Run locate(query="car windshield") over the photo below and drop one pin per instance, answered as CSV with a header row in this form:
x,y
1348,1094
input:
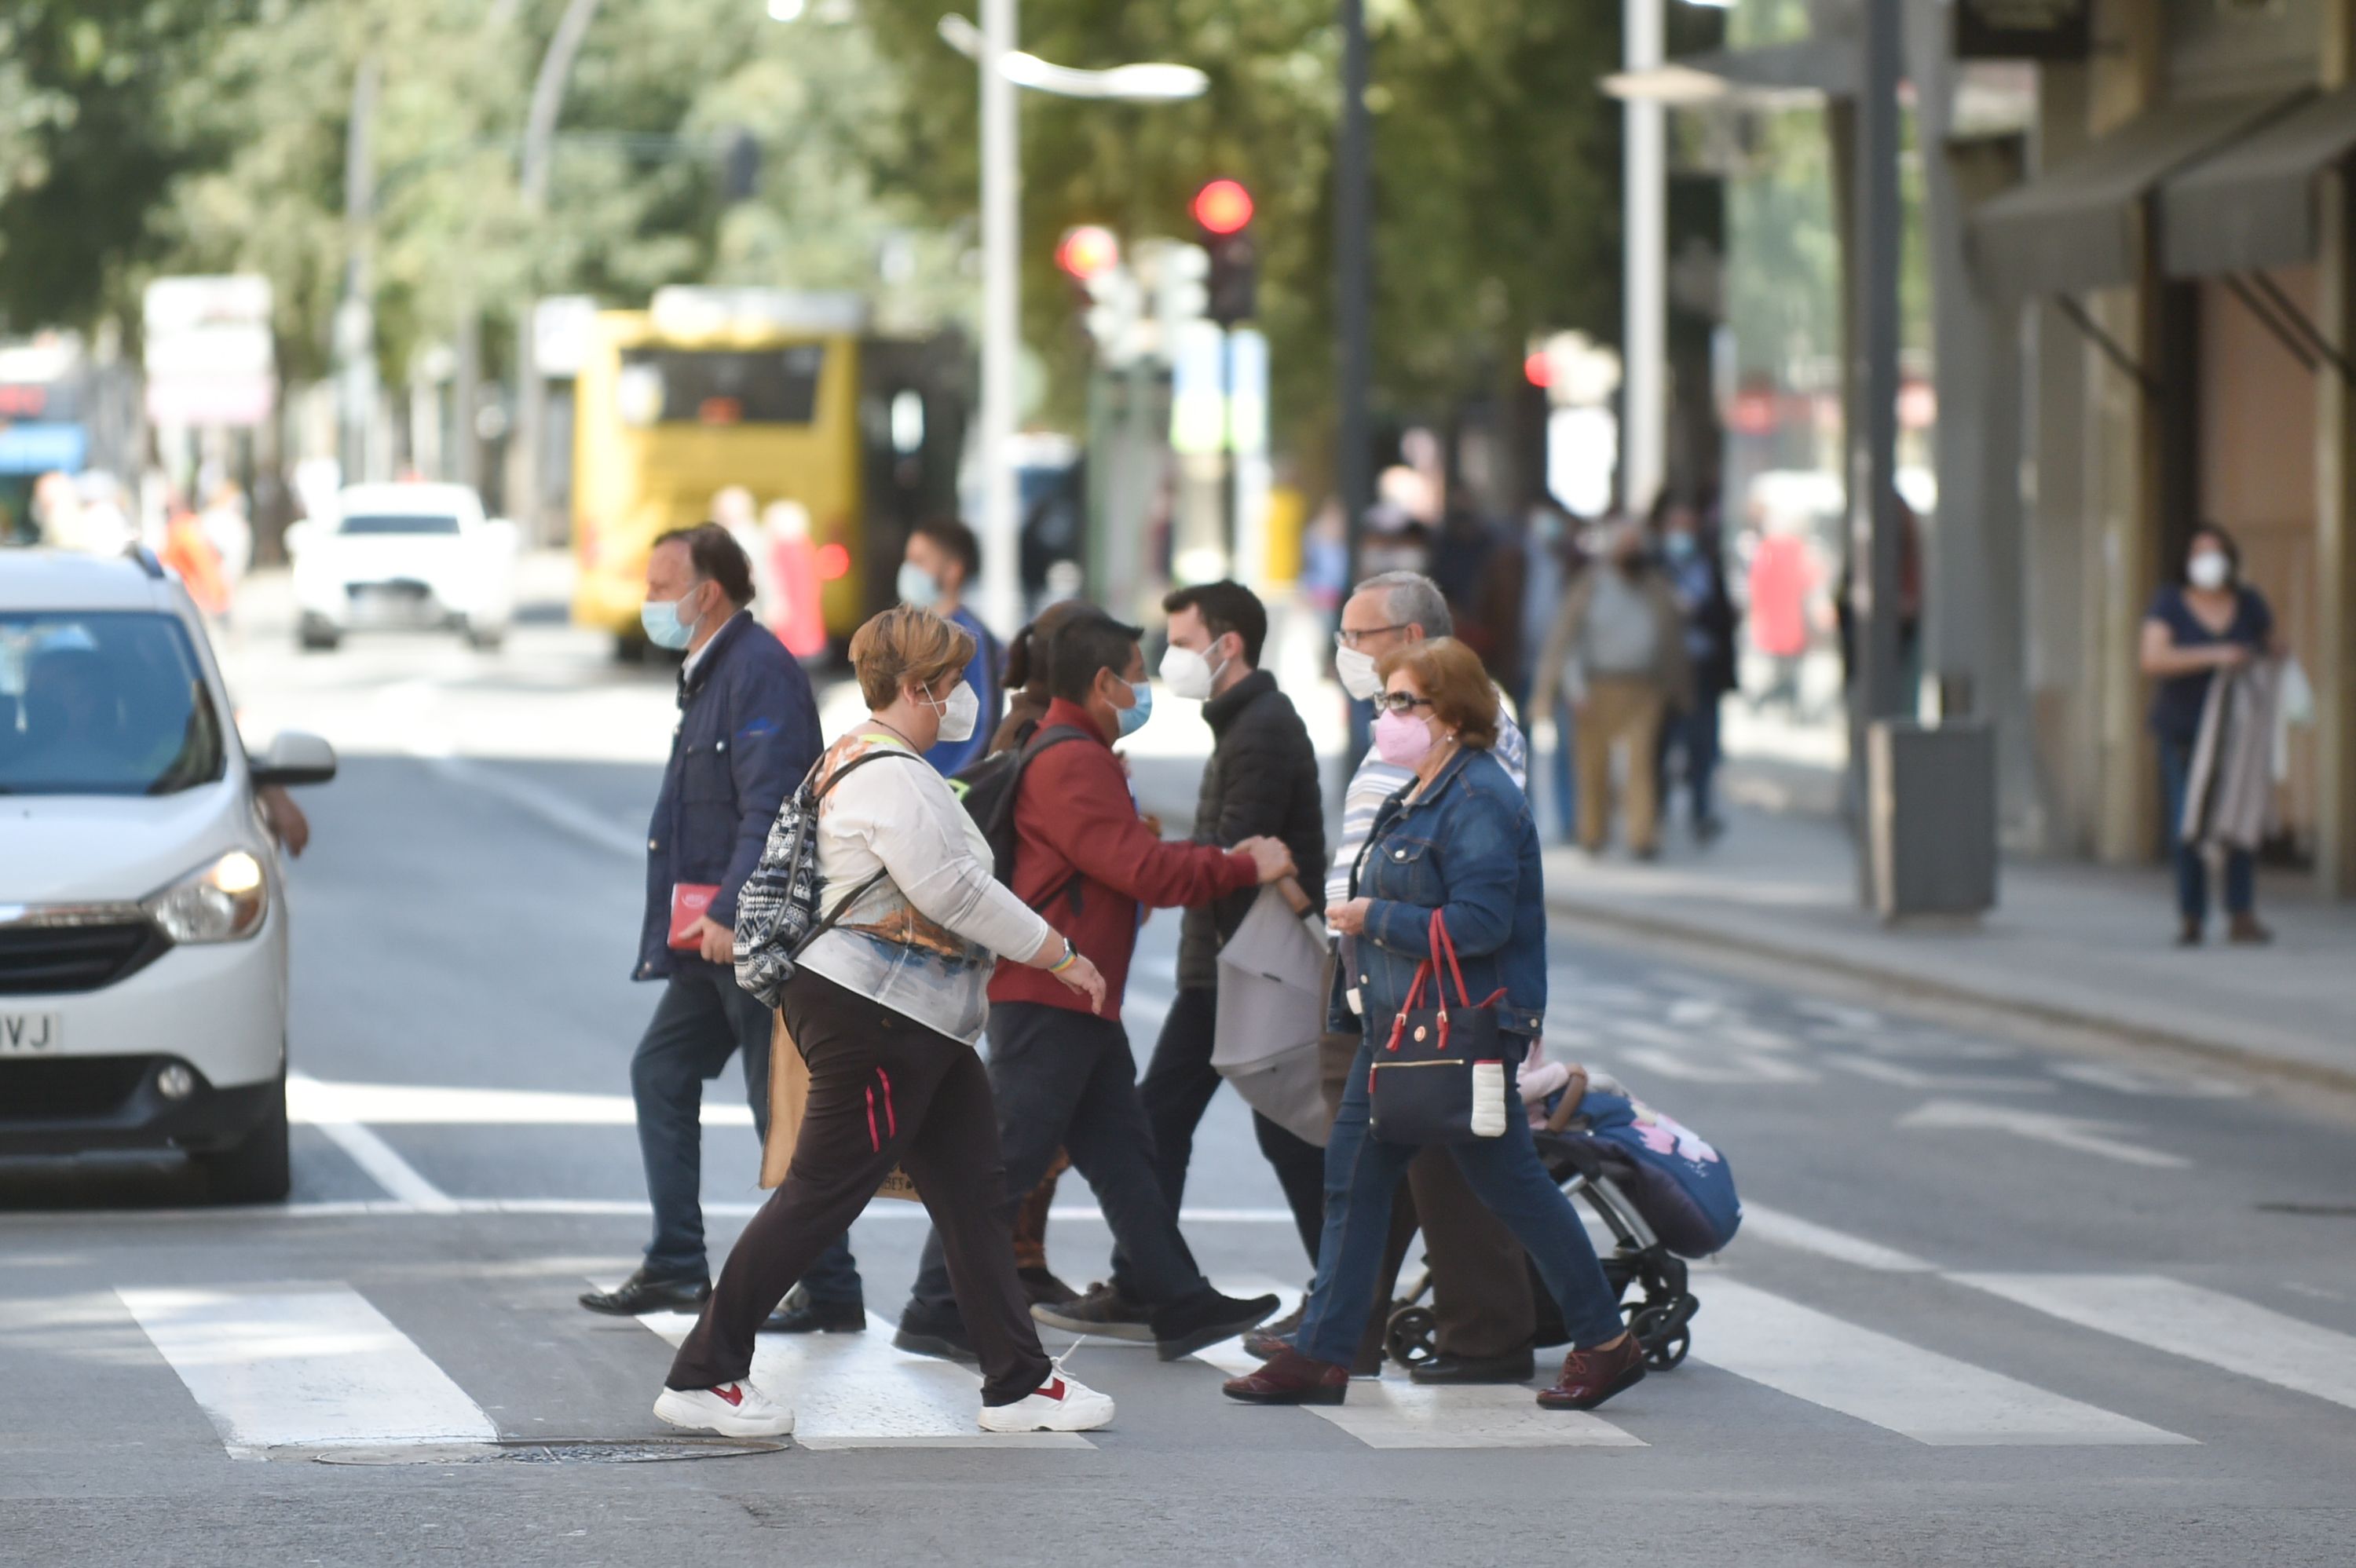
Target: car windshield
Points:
x,y
103,702
400,523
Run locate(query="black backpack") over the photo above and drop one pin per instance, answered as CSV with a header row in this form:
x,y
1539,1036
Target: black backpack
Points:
x,y
777,911
988,788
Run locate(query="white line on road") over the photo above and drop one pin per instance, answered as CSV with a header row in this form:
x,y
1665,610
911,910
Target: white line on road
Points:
x,y
318,1101
593,1207
2204,1326
1918,1393
1732,1067
1910,1078
400,1180
1778,1229
304,1366
2077,1133
1392,1413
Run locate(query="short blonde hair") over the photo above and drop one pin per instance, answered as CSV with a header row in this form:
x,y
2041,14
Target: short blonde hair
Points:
x,y
1463,696
906,645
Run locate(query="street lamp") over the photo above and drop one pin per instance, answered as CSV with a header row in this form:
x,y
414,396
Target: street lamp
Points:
x,y
1004,69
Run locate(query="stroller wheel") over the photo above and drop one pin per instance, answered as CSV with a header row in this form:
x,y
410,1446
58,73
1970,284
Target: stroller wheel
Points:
x,y
1665,1337
1412,1337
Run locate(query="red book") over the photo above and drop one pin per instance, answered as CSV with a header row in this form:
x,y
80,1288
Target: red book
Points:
x,y
690,901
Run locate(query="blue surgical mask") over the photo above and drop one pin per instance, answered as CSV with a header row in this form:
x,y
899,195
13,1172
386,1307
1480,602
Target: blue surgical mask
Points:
x,y
917,586
663,627
1677,545
1132,720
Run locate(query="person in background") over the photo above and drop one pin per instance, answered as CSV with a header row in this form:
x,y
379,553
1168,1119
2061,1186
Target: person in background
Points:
x,y
747,733
1783,583
1481,1291
1549,559
1062,1074
797,610
886,1006
1618,647
942,559
2206,621
1697,576
1460,840
187,551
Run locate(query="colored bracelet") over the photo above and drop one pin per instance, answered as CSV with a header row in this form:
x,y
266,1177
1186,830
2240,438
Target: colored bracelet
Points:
x,y
1071,957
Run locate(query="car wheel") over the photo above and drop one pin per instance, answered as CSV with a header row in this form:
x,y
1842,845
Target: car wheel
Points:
x,y
254,1169
486,639
630,647
317,636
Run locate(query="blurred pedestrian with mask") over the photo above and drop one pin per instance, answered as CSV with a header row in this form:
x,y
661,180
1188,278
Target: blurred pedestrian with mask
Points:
x,y
1458,842
2206,622
1691,563
1480,1292
1618,648
1061,1071
1549,560
747,732
942,559
885,1005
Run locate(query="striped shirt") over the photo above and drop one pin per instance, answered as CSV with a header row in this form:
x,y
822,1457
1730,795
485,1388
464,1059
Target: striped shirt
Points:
x,y
1376,780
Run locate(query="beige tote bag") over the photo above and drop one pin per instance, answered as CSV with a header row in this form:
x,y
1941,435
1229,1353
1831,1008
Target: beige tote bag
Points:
x,y
789,1099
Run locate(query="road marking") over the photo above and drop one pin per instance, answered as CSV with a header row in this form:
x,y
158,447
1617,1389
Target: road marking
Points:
x,y
1392,1413
304,1367
2173,1085
1845,1017
319,1102
616,1208
401,1180
2204,1326
1778,1229
1728,1068
1910,1078
1903,1388
558,811
2077,1133
854,1390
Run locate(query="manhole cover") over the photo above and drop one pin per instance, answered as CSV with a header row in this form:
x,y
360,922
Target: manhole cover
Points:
x,y
556,1451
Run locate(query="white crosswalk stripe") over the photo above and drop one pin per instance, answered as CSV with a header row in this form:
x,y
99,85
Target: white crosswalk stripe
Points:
x,y
1396,1414
304,1366
1932,1398
2205,1325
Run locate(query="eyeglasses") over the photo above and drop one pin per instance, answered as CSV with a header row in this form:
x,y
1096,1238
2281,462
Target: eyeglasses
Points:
x,y
1401,702
1349,639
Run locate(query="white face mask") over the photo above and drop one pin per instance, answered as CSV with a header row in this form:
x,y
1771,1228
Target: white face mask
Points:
x,y
958,711
1189,675
1357,672
2209,569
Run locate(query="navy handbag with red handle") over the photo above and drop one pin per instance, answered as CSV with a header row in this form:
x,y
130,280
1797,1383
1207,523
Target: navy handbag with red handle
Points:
x,y
1445,1075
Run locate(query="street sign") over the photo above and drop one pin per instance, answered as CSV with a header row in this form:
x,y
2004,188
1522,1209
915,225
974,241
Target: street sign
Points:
x,y
209,357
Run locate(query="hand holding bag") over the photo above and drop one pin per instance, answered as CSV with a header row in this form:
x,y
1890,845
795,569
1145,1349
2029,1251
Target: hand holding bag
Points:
x,y
1445,1073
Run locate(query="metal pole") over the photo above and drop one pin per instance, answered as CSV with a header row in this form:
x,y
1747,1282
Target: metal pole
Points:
x,y
539,137
1875,527
1354,284
1231,511
1644,378
354,325
1001,319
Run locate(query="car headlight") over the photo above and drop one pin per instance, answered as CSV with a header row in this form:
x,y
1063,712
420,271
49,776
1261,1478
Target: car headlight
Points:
x,y
223,901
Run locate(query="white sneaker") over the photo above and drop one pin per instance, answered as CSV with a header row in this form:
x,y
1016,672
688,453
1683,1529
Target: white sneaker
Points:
x,y
732,1410
1059,1404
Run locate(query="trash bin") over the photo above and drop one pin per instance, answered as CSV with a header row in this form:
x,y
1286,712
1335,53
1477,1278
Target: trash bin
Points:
x,y
1930,818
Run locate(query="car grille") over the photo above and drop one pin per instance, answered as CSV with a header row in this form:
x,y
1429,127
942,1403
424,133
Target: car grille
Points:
x,y
38,959
70,1088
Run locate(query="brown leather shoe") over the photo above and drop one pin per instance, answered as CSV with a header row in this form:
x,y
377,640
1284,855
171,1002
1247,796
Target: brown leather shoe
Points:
x,y
1292,1378
1590,1377
2245,929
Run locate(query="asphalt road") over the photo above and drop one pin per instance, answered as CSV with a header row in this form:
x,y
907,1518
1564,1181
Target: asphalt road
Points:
x,y
1999,1299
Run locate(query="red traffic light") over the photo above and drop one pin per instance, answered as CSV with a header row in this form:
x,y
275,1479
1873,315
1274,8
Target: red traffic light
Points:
x,y
1088,252
1536,368
1223,206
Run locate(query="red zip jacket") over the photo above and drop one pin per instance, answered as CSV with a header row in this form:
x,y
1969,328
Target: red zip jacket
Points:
x,y
1073,812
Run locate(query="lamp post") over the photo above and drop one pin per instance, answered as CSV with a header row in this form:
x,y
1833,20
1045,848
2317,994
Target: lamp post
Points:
x,y
1003,69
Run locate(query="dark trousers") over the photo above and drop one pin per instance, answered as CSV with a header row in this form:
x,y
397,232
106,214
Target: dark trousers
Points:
x,y
1175,1092
1067,1080
1694,731
884,1090
702,1019
2191,871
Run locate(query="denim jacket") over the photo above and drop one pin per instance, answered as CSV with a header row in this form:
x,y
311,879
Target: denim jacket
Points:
x,y
1468,847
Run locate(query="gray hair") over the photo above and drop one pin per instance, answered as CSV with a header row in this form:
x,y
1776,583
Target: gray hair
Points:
x,y
1412,599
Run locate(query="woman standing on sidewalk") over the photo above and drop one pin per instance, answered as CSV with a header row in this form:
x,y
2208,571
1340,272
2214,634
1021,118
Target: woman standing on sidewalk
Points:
x,y
2206,622
885,1007
1461,840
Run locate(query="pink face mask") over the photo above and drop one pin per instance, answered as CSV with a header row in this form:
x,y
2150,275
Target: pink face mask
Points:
x,y
1402,740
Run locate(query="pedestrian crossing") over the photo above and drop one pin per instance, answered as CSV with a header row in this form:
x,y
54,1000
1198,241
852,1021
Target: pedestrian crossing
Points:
x,y
294,1368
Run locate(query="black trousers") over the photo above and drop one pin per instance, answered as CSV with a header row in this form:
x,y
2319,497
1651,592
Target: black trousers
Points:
x,y
1067,1080
884,1089
1174,1092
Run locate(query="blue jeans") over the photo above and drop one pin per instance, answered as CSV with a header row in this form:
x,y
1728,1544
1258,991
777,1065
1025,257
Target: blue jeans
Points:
x,y
2191,871
1362,1171
1566,781
1694,729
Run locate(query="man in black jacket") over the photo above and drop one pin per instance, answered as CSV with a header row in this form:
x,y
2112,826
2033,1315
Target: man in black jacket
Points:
x,y
1262,780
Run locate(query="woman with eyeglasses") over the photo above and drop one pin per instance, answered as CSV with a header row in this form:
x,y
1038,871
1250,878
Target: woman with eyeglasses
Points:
x,y
1458,839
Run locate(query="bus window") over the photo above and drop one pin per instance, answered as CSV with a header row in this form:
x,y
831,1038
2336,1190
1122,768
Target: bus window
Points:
x,y
724,387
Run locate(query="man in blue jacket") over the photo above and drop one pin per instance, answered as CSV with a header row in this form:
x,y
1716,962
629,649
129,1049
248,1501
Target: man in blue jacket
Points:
x,y
747,733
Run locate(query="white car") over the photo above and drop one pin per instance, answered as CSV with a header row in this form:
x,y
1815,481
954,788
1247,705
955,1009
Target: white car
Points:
x,y
404,556
143,903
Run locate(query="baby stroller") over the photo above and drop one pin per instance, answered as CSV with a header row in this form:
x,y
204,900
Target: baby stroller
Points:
x,y
1664,1194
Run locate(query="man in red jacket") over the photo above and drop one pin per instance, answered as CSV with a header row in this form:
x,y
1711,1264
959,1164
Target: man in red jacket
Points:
x,y
1063,1077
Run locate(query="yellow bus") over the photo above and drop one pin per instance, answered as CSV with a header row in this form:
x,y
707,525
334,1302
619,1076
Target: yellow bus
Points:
x,y
784,394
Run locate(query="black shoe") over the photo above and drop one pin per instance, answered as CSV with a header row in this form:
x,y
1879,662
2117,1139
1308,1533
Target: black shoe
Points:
x,y
1044,1289
929,1331
681,1292
1104,1313
797,1314
1179,1331
1709,829
1513,1367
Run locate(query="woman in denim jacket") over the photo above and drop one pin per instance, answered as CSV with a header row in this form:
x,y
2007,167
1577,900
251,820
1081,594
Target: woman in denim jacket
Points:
x,y
1459,839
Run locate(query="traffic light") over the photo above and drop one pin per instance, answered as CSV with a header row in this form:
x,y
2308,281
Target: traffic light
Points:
x,y
1222,214
1087,252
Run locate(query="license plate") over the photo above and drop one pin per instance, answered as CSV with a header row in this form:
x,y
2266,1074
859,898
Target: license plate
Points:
x,y
29,1034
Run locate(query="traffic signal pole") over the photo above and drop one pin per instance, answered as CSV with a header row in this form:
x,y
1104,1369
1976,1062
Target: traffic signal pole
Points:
x,y
1353,284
